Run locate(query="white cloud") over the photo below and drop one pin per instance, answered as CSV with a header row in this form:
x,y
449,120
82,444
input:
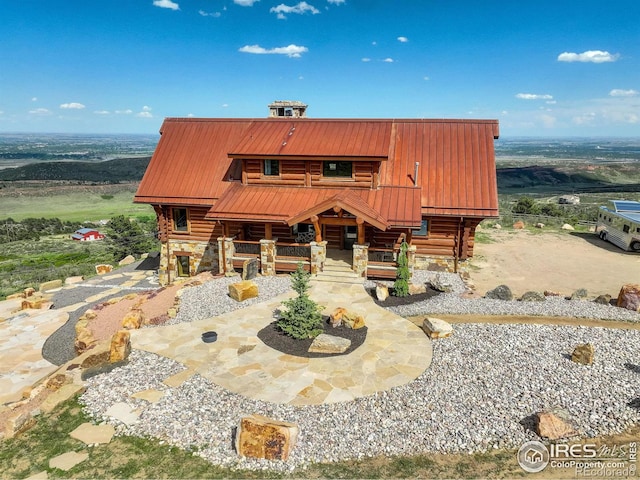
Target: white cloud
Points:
x,y
426,78
146,109
301,8
593,56
34,99
584,119
293,51
533,96
374,43
548,121
144,115
225,105
336,2
366,59
245,3
102,112
128,111
403,39
72,106
166,4
209,14
40,111
388,60
618,92
190,115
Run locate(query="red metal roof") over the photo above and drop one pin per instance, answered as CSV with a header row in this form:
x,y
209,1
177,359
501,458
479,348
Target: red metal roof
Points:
x,y
193,164
316,138
383,208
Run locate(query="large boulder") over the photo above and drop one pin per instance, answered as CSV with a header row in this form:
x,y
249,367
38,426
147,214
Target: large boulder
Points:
x,y
501,292
324,343
583,354
103,268
532,296
579,294
629,297
603,299
120,347
128,260
84,336
436,328
352,320
553,426
133,320
441,283
382,292
262,437
568,227
519,225
244,290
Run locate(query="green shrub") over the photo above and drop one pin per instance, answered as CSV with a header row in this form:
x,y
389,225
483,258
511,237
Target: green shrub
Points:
x,y
302,317
401,285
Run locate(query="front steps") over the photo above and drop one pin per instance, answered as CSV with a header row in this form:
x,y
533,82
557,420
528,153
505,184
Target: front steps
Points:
x,y
337,271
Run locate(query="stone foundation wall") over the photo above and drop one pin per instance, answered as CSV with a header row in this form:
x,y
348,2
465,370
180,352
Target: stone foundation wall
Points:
x,y
202,257
439,264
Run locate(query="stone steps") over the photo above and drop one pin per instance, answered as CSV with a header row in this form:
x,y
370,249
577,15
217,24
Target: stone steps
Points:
x,y
338,271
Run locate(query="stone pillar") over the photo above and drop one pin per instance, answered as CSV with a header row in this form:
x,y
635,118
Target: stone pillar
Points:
x,y
267,257
411,258
360,259
226,250
318,256
164,265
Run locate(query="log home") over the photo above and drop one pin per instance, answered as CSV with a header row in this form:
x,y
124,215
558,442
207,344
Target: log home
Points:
x,y
292,189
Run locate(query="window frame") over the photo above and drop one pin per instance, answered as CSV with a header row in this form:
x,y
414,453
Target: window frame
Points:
x,y
271,162
325,169
180,266
174,226
424,227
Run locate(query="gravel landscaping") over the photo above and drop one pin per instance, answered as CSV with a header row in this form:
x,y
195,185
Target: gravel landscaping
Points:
x,y
484,382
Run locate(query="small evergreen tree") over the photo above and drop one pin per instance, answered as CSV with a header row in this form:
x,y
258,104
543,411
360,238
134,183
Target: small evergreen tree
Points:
x,y
302,317
401,285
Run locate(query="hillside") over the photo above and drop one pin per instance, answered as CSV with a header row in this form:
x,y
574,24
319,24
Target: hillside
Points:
x,y
109,171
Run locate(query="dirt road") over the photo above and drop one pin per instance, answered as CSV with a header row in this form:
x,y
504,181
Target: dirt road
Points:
x,y
560,261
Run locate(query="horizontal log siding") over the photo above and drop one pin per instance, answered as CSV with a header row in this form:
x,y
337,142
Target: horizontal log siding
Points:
x,y
200,229
442,234
292,172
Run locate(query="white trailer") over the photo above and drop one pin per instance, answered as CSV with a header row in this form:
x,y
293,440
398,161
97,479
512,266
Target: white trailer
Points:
x,y
619,223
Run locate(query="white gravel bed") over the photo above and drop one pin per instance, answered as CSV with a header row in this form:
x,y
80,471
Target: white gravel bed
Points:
x,y
452,303
483,382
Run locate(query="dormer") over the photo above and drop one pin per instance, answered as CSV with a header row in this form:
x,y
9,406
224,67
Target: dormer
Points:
x,y
287,109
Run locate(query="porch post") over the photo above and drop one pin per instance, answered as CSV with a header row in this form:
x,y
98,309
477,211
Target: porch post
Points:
x,y
226,250
267,257
360,259
318,256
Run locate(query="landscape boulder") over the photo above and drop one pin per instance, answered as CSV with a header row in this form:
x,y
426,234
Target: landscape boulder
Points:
x,y
579,294
120,347
532,296
128,260
603,299
436,328
250,269
244,290
568,227
382,292
441,283
550,293
324,343
540,225
262,437
73,280
501,292
352,320
554,425
29,291
583,354
497,226
133,320
417,288
629,297
103,268
51,285
84,336
519,225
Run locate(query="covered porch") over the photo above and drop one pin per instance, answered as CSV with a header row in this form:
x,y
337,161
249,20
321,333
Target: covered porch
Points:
x,y
343,224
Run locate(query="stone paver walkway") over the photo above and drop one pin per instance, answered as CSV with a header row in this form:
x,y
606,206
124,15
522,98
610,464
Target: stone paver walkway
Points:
x,y
394,353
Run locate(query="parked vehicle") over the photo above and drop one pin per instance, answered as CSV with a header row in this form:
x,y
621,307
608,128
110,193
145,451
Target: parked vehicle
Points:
x,y
619,223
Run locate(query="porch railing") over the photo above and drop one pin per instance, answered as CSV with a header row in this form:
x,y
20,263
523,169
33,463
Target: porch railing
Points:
x,y
382,262
288,255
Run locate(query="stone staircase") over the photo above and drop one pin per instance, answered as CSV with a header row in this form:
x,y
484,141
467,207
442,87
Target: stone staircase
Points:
x,y
337,271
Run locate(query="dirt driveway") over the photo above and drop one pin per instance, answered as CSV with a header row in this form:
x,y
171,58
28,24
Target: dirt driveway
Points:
x,y
560,261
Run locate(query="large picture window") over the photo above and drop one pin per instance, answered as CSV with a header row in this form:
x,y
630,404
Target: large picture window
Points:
x,y
180,220
272,167
337,169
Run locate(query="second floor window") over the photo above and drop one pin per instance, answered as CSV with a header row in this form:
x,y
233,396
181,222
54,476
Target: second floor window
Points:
x,y
271,167
337,169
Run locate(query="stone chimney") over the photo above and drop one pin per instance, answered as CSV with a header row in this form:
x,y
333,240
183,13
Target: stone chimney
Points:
x,y
287,108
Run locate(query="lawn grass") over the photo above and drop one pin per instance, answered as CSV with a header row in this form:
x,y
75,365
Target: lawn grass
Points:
x,y
135,457
71,203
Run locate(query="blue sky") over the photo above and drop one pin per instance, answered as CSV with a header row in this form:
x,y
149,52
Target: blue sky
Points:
x,y
542,68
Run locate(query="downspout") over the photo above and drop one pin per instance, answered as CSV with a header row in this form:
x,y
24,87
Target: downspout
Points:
x,y
166,233
456,253
415,174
